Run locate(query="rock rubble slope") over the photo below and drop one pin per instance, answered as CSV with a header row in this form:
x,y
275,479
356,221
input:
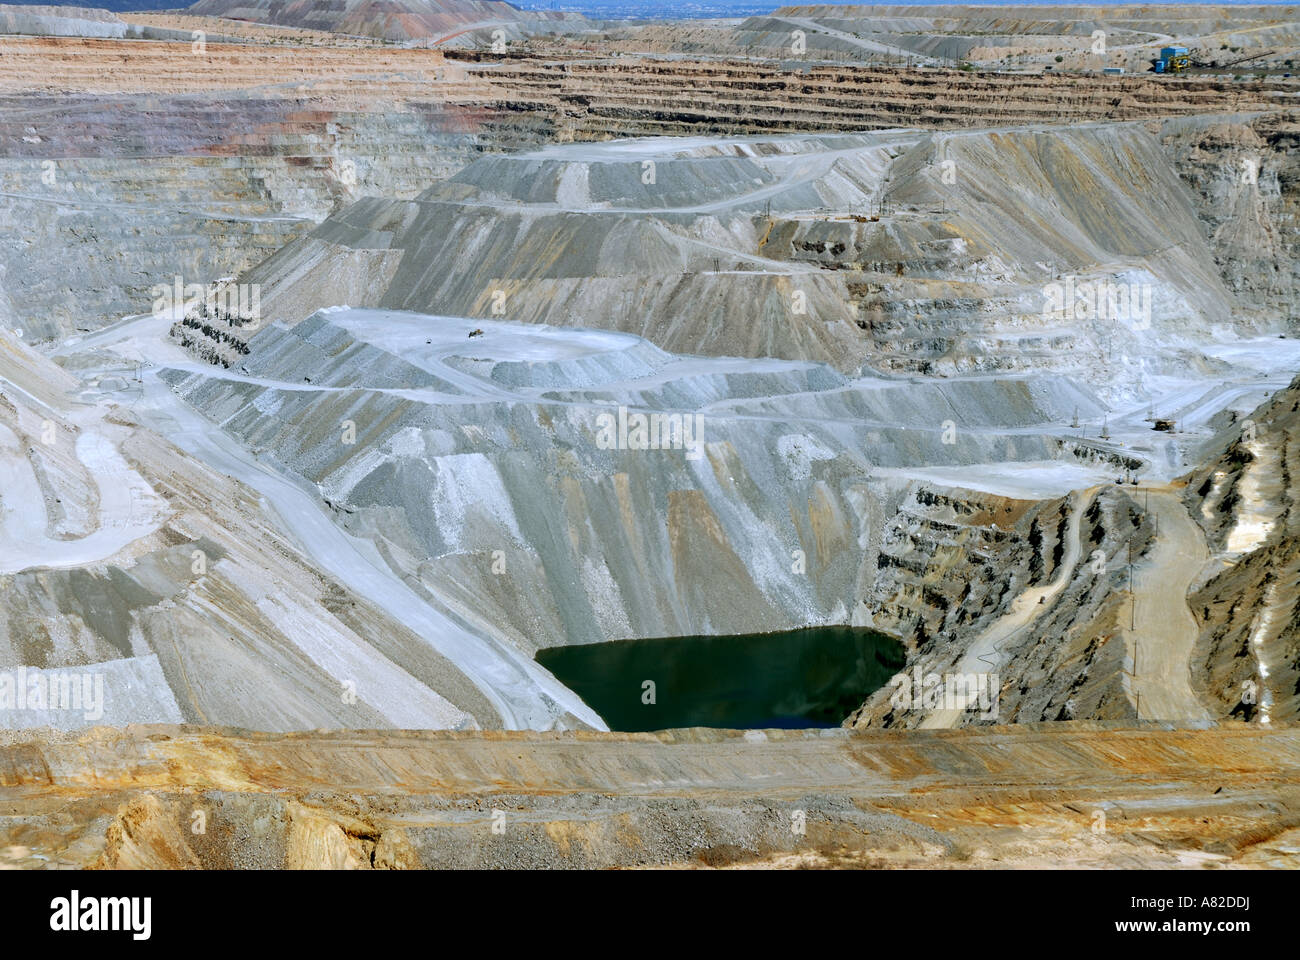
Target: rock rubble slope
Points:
x,y
854,251
126,559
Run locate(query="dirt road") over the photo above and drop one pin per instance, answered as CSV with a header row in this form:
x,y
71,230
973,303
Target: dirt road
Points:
x,y
1160,644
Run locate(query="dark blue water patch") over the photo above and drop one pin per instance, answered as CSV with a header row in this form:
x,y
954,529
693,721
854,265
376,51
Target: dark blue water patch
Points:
x,y
799,678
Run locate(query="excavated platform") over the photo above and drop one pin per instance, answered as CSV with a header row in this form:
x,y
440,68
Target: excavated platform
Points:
x,y
1032,795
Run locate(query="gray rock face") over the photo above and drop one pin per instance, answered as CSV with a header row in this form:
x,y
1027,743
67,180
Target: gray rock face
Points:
x,y
828,475
894,251
500,476
126,193
42,21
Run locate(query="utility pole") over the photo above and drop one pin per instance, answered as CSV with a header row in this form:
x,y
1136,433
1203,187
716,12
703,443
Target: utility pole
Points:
x,y
1132,607
1137,694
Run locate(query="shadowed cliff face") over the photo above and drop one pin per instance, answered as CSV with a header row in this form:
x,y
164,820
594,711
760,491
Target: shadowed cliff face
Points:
x,y
1227,531
1064,659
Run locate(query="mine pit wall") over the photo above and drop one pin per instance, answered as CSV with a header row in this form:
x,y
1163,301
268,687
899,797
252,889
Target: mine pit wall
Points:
x,y
587,538
1067,663
228,641
960,292
1248,651
1070,662
204,188
109,258
747,541
931,564
279,163
646,97
1244,173
951,560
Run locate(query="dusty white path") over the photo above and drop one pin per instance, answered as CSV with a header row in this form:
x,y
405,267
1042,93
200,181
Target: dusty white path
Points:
x,y
128,508
1161,644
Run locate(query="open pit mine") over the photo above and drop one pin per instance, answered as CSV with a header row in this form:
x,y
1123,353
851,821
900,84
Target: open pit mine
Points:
x,y
444,434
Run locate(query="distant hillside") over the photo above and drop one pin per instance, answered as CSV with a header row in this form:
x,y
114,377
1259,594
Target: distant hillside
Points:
x,y
401,19
385,19
115,6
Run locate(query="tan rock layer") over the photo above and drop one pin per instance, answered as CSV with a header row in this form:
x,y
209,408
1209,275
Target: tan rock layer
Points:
x,y
1077,793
